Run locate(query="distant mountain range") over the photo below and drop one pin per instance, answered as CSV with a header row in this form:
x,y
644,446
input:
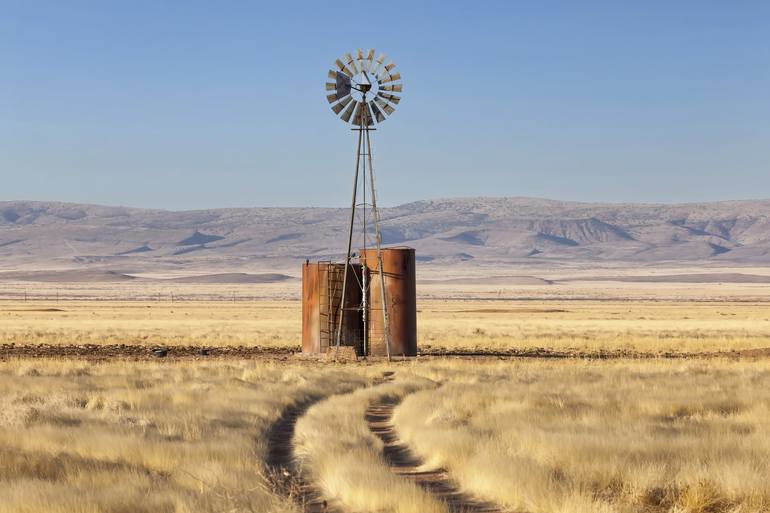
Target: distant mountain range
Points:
x,y
473,230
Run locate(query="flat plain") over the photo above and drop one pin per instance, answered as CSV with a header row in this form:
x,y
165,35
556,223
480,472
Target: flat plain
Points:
x,y
539,436
587,396
626,327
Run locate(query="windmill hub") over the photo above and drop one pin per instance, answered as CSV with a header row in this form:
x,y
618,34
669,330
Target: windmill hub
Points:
x,y
364,84
362,88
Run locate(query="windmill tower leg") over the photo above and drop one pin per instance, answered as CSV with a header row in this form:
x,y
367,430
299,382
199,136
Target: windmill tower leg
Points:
x,y
341,312
378,241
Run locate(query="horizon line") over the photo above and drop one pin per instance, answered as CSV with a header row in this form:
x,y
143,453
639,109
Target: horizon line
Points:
x,y
436,199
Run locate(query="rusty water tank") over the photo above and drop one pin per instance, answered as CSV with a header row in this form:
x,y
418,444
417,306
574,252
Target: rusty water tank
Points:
x,y
398,264
321,296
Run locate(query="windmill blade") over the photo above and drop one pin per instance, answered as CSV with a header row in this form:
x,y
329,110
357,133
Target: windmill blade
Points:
x,y
332,97
365,64
391,78
378,115
396,88
337,107
332,74
330,86
343,68
376,68
362,66
361,60
349,111
391,98
370,59
357,113
385,71
352,63
384,106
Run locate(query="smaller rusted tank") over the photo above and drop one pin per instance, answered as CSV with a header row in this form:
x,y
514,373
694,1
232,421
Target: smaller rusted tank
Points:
x,y
321,296
398,264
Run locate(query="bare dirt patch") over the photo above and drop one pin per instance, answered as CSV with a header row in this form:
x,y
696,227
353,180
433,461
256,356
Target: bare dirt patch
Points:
x,y
138,352
35,310
510,310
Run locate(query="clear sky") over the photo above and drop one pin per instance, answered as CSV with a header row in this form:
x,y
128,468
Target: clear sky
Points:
x,y
215,104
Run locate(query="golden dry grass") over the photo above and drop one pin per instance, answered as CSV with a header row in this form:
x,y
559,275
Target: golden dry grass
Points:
x,y
639,326
210,323
690,436
574,437
137,437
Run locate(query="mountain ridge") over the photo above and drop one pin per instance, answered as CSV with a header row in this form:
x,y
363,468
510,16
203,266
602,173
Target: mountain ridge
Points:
x,y
450,230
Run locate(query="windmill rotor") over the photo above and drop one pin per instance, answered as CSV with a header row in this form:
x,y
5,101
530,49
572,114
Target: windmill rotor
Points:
x,y
363,90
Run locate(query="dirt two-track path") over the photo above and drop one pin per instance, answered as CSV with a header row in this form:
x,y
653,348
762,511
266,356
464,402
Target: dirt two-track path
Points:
x,y
404,462
287,479
282,471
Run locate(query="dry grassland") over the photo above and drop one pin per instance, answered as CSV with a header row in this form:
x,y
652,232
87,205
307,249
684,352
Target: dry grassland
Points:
x,y
572,437
205,323
144,437
690,436
592,326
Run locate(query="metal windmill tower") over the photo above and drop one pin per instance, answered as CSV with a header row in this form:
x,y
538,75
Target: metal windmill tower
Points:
x,y
361,92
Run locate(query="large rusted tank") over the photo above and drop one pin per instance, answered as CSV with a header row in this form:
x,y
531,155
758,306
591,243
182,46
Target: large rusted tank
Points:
x,y
321,296
398,264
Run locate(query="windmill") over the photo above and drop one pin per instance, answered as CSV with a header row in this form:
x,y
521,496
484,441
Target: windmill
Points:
x,y
363,90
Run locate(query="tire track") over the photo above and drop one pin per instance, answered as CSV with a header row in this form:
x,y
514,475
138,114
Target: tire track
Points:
x,y
284,475
404,462
282,472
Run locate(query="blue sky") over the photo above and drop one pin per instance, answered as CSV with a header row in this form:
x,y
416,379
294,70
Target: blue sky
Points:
x,y
217,104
